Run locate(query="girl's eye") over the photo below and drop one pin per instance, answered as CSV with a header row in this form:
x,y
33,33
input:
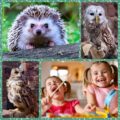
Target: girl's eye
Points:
x,y
92,14
32,25
95,73
46,25
49,83
57,82
104,71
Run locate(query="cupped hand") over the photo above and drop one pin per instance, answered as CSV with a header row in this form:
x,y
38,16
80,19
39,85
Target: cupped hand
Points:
x,y
90,108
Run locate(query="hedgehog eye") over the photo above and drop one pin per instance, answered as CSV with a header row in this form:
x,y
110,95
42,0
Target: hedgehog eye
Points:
x,y
46,25
32,25
92,14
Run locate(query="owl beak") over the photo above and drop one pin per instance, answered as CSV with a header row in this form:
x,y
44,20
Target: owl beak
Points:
x,y
97,19
19,76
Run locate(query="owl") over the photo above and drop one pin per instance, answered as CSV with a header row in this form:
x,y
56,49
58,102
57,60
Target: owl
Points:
x,y
97,31
20,95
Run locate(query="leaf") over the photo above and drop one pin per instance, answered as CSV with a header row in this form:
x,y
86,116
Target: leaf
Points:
x,y
6,4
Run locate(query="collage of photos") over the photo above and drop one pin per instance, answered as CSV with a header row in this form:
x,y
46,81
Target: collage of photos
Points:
x,y
59,60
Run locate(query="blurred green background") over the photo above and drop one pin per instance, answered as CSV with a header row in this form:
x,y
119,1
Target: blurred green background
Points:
x,y
68,10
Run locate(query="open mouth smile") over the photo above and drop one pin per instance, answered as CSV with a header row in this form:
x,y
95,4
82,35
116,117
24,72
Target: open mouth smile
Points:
x,y
54,88
101,80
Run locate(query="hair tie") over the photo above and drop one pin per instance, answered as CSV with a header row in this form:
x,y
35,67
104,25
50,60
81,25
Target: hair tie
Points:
x,y
112,69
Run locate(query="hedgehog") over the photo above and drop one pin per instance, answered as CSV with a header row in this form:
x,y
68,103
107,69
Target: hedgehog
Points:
x,y
37,26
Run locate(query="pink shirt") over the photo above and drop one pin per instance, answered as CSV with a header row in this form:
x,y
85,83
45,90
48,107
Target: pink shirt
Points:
x,y
67,108
101,93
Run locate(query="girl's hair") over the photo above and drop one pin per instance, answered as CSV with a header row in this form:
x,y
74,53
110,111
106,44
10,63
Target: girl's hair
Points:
x,y
66,85
113,69
43,92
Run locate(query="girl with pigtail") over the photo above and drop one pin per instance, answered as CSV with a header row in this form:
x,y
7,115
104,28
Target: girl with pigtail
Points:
x,y
100,86
54,101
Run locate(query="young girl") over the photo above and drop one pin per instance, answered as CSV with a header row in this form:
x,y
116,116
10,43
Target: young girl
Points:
x,y
101,83
56,103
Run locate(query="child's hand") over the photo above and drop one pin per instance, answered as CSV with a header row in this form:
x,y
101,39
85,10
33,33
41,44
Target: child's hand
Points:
x,y
46,103
115,112
90,108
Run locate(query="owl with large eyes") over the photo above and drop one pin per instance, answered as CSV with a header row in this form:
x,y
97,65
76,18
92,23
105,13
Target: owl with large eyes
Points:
x,y
20,95
96,28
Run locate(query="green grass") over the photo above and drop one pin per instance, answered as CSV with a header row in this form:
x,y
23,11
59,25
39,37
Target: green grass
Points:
x,y
73,33
6,24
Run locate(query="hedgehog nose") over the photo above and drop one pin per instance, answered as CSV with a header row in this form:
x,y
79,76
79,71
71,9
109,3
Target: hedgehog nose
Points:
x,y
38,32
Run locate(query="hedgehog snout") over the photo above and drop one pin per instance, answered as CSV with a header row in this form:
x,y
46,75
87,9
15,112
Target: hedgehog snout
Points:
x,y
38,32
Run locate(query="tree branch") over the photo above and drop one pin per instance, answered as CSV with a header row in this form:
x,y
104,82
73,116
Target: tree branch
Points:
x,y
63,51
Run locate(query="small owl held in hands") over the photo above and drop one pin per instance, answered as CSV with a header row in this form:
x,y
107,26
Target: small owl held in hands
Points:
x,y
97,31
20,95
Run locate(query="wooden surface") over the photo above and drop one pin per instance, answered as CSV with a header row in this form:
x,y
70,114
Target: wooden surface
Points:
x,y
64,51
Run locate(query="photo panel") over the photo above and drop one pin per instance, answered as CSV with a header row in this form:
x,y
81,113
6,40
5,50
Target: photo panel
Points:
x,y
99,30
20,89
40,30
79,89
71,47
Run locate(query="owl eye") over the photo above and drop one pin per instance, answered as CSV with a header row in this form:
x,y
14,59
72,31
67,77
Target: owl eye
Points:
x,y
92,14
32,25
46,25
23,72
100,14
16,72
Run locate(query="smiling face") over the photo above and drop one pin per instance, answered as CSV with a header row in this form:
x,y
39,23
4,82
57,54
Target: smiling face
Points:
x,y
51,85
101,75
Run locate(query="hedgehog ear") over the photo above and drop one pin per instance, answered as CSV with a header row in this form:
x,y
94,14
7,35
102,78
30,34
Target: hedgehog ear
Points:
x,y
23,18
55,17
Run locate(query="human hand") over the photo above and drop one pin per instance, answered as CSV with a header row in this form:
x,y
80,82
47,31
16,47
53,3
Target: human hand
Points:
x,y
90,108
115,112
46,103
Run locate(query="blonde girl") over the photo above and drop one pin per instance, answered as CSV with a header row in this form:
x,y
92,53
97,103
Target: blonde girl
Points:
x,y
101,83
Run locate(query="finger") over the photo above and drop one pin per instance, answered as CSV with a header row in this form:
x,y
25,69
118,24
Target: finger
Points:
x,y
43,101
89,106
48,98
